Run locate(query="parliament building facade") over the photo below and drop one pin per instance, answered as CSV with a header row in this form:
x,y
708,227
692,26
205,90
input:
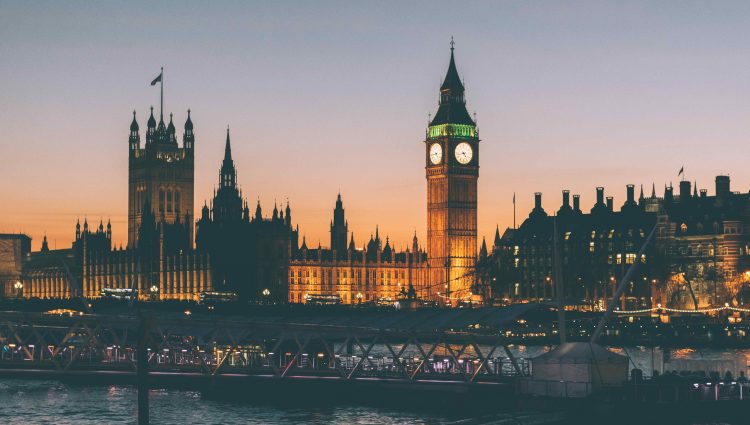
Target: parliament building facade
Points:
x,y
231,250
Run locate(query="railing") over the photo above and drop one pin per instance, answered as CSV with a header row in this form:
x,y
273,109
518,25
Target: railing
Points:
x,y
107,343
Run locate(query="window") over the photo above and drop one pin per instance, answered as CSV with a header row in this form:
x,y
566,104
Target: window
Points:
x,y
591,247
683,227
619,258
161,200
169,201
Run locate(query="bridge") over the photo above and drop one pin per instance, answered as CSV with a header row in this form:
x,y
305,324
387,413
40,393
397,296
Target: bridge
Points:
x,y
449,352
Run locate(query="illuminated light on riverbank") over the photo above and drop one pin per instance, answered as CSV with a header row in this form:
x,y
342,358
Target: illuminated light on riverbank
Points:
x,y
678,310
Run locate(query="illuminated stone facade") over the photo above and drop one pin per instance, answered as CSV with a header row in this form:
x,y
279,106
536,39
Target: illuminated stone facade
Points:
x,y
452,170
92,268
375,273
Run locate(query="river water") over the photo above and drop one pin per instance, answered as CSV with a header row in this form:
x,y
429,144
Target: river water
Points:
x,y
52,402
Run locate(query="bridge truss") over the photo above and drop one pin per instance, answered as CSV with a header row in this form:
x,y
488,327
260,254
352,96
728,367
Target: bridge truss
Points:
x,y
209,347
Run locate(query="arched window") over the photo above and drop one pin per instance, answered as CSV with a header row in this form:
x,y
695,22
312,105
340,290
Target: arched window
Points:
x,y
683,227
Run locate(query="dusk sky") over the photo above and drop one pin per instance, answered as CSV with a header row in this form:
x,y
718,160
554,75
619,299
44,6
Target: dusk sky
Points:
x,y
323,97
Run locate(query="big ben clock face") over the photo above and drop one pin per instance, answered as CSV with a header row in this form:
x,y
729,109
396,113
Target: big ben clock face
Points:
x,y
464,153
436,153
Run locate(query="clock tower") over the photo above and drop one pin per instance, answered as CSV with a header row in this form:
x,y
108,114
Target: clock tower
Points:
x,y
452,158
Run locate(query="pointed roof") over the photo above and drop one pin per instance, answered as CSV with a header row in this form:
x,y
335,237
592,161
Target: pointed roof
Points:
x,y
452,108
151,120
188,122
497,235
653,190
228,148
452,81
258,212
483,250
134,123
170,127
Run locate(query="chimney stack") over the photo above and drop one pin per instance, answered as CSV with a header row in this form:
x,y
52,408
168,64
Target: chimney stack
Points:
x,y
631,194
599,195
538,200
722,186
576,202
610,203
566,198
704,193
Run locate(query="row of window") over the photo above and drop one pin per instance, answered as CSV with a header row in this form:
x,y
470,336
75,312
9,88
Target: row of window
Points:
x,y
331,274
169,200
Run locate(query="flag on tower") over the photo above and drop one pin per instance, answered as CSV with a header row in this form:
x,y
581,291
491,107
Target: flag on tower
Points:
x,y
157,79
682,170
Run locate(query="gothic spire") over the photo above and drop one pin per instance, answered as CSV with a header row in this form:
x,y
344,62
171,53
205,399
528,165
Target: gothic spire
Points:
x,y
483,250
134,124
452,81
228,174
151,120
228,148
170,127
452,108
258,211
189,122
45,247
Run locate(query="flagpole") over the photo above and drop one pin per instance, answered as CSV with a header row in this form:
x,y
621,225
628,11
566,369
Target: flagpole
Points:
x,y
514,210
161,85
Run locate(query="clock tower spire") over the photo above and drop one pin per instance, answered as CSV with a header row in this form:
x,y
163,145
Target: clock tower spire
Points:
x,y
452,171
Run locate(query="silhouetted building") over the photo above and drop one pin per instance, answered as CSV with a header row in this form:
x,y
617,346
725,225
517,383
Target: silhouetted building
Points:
x,y
698,256
161,176
249,255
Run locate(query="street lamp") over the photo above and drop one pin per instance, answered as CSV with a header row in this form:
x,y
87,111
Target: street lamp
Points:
x,y
359,298
266,293
19,286
154,292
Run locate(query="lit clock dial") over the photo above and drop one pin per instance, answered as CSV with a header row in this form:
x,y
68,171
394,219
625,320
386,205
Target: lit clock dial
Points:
x,y
463,153
436,153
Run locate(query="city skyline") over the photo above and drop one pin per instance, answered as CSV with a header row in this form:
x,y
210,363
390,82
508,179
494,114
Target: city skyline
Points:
x,y
542,130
